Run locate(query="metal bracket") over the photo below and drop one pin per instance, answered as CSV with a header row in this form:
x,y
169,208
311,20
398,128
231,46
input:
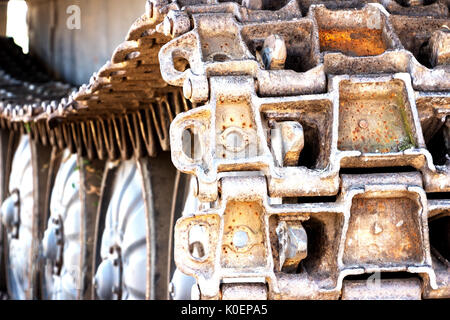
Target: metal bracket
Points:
x,y
240,239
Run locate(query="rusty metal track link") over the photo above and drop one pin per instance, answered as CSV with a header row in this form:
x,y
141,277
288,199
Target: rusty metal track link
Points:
x,y
290,100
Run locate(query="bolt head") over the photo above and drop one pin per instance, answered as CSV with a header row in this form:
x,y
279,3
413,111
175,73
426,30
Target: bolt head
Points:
x,y
274,52
363,124
240,239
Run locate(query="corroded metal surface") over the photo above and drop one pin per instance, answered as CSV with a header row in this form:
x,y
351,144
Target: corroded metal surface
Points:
x,y
378,224
315,131
365,93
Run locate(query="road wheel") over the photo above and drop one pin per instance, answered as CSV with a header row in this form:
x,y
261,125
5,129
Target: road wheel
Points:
x,y
133,229
22,215
68,239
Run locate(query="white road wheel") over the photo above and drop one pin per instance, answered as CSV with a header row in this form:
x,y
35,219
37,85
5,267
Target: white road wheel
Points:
x,y
122,272
61,243
18,220
134,229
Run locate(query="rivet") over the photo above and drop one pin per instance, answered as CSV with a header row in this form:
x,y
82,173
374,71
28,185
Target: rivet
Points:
x,y
363,124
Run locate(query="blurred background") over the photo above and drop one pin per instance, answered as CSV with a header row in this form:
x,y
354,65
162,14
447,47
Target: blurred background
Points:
x,y
48,29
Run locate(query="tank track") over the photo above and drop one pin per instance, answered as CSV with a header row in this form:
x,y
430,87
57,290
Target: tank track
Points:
x,y
124,111
295,106
306,125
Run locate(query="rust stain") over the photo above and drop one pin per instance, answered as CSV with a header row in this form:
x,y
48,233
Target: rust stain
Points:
x,y
373,236
356,42
380,126
240,217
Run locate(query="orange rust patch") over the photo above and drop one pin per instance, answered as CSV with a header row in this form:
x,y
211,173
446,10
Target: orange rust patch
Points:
x,y
240,217
357,42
